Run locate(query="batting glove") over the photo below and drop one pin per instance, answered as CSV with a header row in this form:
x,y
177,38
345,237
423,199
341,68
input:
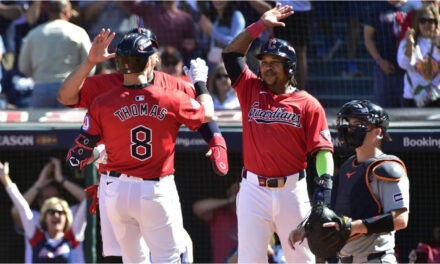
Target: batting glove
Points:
x,y
92,191
198,72
219,155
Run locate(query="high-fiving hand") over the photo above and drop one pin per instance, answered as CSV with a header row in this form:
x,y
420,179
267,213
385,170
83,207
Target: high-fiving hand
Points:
x,y
272,17
99,50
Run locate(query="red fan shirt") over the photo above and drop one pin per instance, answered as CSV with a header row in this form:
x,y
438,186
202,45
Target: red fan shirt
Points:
x,y
279,130
139,126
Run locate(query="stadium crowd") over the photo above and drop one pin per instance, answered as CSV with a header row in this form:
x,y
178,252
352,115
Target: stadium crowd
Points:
x,y
41,42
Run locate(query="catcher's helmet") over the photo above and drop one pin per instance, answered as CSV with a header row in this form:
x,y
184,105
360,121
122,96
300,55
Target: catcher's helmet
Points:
x,y
132,53
282,49
147,33
366,111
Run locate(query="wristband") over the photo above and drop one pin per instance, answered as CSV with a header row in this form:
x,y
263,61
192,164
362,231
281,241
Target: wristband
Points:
x,y
256,28
379,224
378,60
38,188
200,88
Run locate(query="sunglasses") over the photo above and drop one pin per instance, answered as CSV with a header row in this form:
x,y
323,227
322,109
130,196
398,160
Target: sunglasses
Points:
x,y
221,76
53,212
423,20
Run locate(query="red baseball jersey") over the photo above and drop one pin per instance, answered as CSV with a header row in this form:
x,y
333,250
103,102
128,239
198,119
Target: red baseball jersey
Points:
x,y
279,130
99,84
139,126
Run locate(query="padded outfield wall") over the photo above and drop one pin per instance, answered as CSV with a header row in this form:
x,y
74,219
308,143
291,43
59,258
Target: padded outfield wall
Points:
x,y
28,139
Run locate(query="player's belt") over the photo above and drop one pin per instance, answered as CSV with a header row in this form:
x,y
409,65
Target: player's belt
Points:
x,y
118,174
269,182
350,259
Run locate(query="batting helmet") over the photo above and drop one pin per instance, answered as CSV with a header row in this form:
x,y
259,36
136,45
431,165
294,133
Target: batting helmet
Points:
x,y
147,33
132,53
282,49
366,111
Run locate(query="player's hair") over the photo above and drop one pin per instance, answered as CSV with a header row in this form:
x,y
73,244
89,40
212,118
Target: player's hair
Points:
x,y
50,203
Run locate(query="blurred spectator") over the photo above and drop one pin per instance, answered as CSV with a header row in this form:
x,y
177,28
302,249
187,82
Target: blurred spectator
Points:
x,y
223,95
227,24
58,232
324,13
220,215
42,190
107,14
427,252
51,51
171,25
382,25
2,52
9,11
408,21
419,55
252,11
298,33
171,62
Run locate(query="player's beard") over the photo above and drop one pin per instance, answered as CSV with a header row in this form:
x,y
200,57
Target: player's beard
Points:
x,y
270,78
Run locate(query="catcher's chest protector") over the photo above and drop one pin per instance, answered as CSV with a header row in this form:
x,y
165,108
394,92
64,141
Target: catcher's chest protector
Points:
x,y
351,194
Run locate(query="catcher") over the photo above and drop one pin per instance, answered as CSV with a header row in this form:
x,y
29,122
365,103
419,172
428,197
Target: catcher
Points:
x,y
371,187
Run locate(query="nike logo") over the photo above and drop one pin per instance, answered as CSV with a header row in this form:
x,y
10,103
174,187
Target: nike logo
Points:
x,y
349,174
108,182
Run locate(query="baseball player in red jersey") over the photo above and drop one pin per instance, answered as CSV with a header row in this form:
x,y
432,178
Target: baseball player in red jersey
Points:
x,y
281,124
138,122
79,91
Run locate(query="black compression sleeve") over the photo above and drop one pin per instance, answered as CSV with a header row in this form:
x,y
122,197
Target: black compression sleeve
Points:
x,y
234,64
379,224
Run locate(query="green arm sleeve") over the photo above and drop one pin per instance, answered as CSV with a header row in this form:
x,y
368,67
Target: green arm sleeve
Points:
x,y
324,162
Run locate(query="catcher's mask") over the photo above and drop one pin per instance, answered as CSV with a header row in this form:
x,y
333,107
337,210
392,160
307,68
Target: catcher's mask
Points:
x,y
133,52
367,112
282,49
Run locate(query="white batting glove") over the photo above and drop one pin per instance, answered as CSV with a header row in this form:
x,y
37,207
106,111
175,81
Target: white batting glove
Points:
x,y
198,71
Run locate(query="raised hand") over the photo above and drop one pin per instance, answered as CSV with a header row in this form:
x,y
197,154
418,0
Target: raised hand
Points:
x,y
272,17
198,72
44,178
4,174
57,169
99,50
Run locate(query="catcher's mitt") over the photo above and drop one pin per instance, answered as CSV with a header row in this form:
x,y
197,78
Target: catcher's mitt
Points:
x,y
326,242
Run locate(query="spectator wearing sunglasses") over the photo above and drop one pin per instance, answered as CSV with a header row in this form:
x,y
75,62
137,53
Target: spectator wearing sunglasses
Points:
x,y
50,183
58,232
419,55
224,97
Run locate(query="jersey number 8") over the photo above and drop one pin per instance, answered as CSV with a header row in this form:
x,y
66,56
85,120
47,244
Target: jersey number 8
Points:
x,y
141,148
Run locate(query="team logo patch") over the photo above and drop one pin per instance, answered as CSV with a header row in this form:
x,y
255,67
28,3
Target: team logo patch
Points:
x,y
86,123
139,98
398,197
195,104
326,134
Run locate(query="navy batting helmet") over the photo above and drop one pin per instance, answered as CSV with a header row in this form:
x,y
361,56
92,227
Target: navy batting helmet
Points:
x,y
132,53
147,33
282,49
366,111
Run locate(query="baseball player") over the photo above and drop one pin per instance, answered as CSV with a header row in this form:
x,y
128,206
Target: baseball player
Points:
x,y
371,186
281,124
138,122
79,91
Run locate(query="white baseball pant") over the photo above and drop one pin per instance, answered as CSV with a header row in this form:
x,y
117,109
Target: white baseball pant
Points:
x,y
144,209
261,211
